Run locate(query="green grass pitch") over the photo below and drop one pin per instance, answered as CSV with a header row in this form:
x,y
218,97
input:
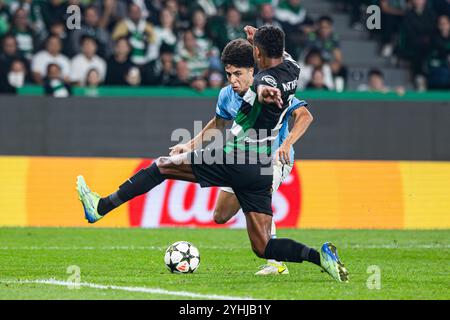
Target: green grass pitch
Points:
x,y
412,264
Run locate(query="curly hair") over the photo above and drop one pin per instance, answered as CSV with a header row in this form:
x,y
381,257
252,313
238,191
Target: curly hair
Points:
x,y
238,53
271,40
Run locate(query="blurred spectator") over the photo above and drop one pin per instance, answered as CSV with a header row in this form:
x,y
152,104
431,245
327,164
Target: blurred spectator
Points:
x,y
439,60
313,61
167,75
140,34
172,6
119,65
4,18
199,84
327,42
12,77
357,15
112,11
150,9
224,31
134,76
296,23
90,27
392,13
190,52
19,4
59,29
23,32
92,82
54,83
216,80
85,61
418,26
17,74
51,54
247,8
317,80
204,43
376,84
267,16
183,76
199,30
165,34
182,10
9,52
293,15
208,6
52,11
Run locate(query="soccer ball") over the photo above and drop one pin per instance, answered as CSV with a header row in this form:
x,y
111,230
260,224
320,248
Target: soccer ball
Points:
x,y
182,257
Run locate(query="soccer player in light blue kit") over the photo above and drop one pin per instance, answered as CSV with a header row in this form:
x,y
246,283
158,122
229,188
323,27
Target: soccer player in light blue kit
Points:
x,y
265,107
228,104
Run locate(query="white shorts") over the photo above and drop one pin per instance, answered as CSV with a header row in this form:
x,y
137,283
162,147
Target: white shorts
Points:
x,y
280,172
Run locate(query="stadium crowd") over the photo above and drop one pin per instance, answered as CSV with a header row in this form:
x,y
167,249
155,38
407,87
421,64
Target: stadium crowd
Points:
x,y
178,42
413,31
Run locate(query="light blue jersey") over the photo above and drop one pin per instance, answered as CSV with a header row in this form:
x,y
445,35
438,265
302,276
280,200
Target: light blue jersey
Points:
x,y
229,103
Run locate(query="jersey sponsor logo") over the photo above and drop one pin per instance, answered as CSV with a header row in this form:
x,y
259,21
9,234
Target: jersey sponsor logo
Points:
x,y
178,203
291,85
270,81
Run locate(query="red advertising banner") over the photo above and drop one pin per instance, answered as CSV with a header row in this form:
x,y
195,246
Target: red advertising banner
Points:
x,y
179,203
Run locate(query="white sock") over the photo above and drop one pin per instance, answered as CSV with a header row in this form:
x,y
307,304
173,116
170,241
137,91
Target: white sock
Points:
x,y
273,235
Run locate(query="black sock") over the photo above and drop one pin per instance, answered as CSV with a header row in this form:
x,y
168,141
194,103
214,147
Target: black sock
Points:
x,y
290,251
142,182
108,203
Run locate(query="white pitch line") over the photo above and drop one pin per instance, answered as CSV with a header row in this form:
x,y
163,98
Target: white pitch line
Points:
x,y
128,289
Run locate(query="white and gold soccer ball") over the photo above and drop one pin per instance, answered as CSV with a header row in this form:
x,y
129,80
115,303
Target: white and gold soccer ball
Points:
x,y
182,257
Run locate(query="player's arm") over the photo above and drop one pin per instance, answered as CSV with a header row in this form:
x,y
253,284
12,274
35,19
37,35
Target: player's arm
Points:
x,y
204,135
302,120
270,95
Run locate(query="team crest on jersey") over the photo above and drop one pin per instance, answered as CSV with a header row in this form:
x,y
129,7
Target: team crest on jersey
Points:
x,y
270,81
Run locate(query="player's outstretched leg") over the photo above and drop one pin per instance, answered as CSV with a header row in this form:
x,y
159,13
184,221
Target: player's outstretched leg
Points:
x,y
163,168
258,228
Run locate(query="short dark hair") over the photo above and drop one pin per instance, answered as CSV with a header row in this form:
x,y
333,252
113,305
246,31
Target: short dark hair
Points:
x,y
317,69
238,53
325,19
52,36
6,36
313,52
271,40
375,72
86,37
166,48
51,65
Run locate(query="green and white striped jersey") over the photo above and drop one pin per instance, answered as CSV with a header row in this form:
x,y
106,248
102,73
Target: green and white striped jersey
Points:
x,y
256,125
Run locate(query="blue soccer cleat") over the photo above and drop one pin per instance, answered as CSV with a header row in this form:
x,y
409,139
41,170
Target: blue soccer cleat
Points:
x,y
89,201
329,260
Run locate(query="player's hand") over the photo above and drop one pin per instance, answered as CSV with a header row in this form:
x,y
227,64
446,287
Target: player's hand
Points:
x,y
283,154
179,149
271,95
250,32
